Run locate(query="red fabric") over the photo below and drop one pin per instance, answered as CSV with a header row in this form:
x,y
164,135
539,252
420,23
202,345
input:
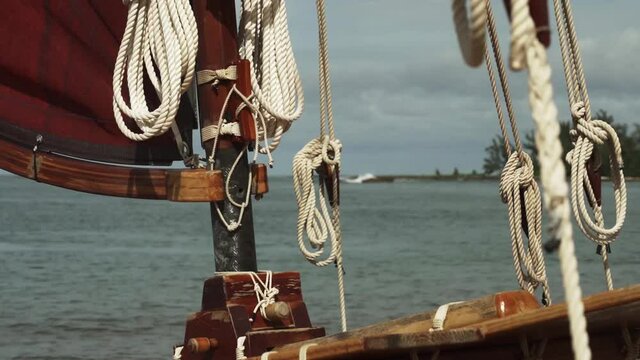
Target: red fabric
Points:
x,y
56,68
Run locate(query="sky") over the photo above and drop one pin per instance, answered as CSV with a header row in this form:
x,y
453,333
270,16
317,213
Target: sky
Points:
x,y
405,102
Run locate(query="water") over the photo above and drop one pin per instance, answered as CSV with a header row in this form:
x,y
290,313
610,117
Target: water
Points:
x,y
94,277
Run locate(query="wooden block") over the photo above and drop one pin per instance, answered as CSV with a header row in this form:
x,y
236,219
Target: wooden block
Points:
x,y
195,185
259,180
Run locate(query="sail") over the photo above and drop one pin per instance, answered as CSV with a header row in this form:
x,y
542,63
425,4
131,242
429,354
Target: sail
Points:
x,y
56,70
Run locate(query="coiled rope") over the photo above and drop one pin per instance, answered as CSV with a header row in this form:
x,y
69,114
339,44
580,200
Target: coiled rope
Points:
x,y
528,52
161,42
470,31
586,134
517,184
277,88
321,154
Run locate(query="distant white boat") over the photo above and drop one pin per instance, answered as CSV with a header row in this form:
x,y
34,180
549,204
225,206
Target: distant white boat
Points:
x,y
360,178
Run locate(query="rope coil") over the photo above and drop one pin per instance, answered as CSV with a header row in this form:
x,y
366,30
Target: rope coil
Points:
x,y
276,83
322,155
161,42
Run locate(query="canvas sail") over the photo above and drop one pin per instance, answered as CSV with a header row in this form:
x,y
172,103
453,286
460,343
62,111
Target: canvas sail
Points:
x,y
56,71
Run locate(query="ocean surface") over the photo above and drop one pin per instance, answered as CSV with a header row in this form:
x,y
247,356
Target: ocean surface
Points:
x,y
91,277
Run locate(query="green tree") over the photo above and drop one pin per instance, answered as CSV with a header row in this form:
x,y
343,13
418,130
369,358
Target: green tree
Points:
x,y
456,173
629,140
496,156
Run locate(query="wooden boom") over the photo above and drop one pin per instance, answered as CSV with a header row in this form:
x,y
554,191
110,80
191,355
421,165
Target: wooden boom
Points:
x,y
103,179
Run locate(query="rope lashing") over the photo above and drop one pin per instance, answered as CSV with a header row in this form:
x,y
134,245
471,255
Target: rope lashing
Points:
x,y
232,225
160,41
323,155
518,188
214,76
470,30
517,184
265,292
528,52
585,135
264,40
240,348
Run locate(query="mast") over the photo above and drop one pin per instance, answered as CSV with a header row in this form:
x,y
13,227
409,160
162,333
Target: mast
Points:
x,y
218,48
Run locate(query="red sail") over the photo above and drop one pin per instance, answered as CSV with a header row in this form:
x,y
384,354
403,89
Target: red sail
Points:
x,y
56,68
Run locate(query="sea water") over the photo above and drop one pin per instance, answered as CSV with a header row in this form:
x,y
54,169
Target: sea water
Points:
x,y
92,277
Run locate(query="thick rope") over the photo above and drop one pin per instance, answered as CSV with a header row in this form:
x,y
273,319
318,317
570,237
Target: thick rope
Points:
x,y
517,184
585,136
323,155
528,52
161,42
470,31
265,41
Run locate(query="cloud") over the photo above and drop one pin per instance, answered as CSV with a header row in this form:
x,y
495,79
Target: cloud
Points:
x,y
405,102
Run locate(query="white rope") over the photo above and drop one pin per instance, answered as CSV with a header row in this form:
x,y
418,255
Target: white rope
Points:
x,y
177,353
528,52
264,40
302,354
437,323
161,42
585,136
233,225
323,155
517,184
265,292
470,31
240,348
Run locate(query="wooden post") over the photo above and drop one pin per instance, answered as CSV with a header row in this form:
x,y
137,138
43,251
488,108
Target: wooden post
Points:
x,y
218,48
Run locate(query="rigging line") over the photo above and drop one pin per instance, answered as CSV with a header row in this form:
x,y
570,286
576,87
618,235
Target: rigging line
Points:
x,y
528,52
586,135
518,188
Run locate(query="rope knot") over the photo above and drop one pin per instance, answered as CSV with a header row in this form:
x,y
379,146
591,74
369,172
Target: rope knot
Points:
x,y
331,151
517,172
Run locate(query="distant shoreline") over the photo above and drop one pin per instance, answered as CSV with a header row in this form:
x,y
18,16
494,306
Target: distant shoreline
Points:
x,y
467,177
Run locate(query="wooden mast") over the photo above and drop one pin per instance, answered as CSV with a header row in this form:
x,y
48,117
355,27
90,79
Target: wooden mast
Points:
x,y
218,48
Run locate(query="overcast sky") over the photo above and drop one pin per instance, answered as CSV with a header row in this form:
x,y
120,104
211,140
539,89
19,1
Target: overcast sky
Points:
x,y
405,102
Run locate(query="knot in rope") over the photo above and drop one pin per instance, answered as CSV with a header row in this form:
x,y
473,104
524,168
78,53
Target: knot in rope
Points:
x,y
517,174
314,219
585,136
519,190
331,151
214,76
265,292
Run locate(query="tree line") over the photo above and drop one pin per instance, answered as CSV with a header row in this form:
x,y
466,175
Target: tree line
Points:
x,y
629,135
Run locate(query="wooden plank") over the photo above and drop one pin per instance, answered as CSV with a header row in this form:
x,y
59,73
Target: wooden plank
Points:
x,y
105,179
198,185
412,331
604,310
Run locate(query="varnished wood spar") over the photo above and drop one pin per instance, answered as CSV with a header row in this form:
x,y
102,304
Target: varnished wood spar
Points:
x,y
373,337
497,338
111,180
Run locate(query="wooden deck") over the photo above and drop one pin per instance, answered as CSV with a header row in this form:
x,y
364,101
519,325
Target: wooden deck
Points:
x,y
472,333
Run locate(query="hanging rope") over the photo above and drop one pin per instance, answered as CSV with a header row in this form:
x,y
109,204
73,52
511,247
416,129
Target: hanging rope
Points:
x,y
213,131
264,40
586,134
528,52
517,183
470,31
322,155
161,42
